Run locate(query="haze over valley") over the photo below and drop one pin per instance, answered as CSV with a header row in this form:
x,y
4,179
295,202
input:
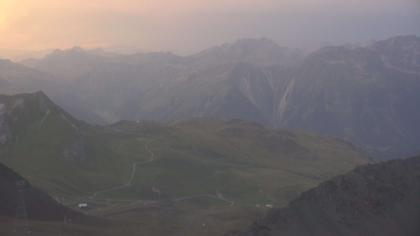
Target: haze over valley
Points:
x,y
339,91
123,118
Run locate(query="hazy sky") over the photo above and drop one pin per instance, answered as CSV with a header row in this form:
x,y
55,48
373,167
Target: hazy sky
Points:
x,y
185,26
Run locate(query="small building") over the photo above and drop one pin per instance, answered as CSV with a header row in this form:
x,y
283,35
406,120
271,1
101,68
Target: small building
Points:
x,y
269,206
83,205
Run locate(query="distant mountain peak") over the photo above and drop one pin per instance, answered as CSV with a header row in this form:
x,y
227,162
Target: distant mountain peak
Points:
x,y
67,52
38,106
254,43
400,53
245,44
5,61
403,39
257,51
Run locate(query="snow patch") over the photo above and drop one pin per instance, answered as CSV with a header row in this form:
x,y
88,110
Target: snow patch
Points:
x,y
285,99
45,117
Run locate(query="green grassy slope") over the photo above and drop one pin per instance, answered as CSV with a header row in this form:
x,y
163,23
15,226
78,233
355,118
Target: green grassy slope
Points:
x,y
202,168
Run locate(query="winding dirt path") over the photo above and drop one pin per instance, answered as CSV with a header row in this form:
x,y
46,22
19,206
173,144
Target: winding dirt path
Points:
x,y
129,183
217,196
152,157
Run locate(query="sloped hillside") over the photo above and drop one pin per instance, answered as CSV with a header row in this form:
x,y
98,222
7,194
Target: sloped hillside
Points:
x,y
360,94
19,199
194,167
41,133
69,156
380,199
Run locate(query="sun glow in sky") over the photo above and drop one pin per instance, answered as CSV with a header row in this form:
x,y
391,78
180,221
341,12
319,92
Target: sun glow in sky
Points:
x,y
188,25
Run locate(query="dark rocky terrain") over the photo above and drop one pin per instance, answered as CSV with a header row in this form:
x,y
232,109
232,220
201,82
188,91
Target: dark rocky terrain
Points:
x,y
376,200
19,199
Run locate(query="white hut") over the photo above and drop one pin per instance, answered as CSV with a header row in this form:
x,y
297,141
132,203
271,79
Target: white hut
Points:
x,y
83,205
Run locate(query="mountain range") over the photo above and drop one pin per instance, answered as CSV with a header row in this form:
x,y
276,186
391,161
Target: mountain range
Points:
x,y
162,144
363,94
193,172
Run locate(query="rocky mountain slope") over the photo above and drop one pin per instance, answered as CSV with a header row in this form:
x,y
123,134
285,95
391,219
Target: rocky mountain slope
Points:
x,y
356,94
351,93
112,86
380,199
366,95
15,78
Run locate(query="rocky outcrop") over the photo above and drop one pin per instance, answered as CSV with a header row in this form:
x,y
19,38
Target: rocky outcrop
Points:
x,y
375,200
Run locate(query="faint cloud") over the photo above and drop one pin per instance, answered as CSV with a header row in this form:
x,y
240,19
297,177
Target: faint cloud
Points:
x,y
189,25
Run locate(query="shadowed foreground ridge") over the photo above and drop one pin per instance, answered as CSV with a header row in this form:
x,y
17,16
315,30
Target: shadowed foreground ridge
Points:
x,y
17,192
380,199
